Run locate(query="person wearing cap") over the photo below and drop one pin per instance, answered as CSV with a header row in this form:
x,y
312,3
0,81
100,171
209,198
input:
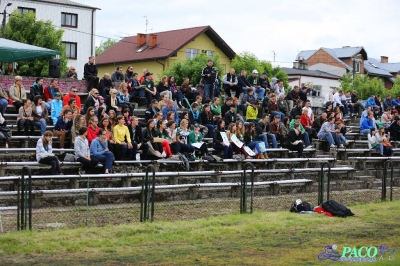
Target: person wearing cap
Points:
x,y
230,83
255,83
208,74
48,92
150,89
56,107
252,112
71,73
264,83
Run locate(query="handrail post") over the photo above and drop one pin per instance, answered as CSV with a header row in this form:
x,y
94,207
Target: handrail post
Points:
x,y
243,189
321,183
384,180
148,195
22,212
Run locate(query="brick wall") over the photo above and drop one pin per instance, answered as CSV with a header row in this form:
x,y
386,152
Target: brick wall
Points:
x,y
323,57
7,81
349,61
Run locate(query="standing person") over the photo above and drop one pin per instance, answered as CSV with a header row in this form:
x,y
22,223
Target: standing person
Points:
x,y
90,73
230,82
99,151
44,153
71,73
73,94
218,143
36,88
17,93
63,127
123,140
40,115
82,152
208,75
294,137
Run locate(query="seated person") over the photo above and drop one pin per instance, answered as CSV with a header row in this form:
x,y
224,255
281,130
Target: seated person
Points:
x,y
82,152
294,139
63,127
195,136
100,152
330,134
150,89
307,140
248,99
56,107
252,112
218,143
105,85
44,153
367,124
122,138
250,139
136,135
273,108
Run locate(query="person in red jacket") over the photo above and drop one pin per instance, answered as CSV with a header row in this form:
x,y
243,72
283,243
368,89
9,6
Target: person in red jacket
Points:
x,y
92,129
307,124
73,95
48,92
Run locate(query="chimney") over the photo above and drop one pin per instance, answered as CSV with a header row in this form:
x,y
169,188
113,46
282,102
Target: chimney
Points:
x,y
384,59
153,40
140,39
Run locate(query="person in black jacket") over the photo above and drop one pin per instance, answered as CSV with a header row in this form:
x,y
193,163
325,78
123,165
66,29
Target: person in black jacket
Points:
x,y
298,110
136,135
229,82
243,82
207,120
90,73
264,82
293,96
218,143
394,129
303,95
208,75
295,143
152,110
105,85
227,106
36,89
230,116
91,101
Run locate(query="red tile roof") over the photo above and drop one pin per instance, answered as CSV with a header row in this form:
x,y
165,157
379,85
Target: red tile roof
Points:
x,y
168,43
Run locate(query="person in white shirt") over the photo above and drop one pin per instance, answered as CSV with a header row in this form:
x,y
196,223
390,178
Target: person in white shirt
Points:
x,y
339,99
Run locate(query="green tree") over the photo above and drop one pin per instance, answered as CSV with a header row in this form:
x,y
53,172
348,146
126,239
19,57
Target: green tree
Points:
x,y
191,67
364,85
26,29
248,61
104,46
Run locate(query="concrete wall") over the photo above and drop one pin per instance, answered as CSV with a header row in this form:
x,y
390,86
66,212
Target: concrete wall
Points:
x,y
80,35
65,84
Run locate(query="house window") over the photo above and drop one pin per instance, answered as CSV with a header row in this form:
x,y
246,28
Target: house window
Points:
x,y
71,51
190,53
210,53
24,10
357,66
69,20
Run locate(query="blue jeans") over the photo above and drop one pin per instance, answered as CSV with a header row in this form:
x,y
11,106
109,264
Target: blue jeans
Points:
x,y
42,125
124,151
260,92
210,129
332,138
208,89
264,139
379,148
3,106
278,113
106,159
365,131
253,145
228,150
272,137
48,106
177,96
306,138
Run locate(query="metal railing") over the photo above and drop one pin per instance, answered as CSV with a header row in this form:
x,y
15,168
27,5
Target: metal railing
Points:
x,y
24,198
384,180
243,189
148,195
321,183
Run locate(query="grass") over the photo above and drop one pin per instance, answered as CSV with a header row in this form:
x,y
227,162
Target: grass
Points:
x,y
263,238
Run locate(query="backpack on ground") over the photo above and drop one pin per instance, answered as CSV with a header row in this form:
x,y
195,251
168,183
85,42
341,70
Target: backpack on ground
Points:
x,y
299,206
336,208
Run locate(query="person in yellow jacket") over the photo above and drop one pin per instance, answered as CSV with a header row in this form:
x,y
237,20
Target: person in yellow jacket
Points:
x,y
123,140
252,112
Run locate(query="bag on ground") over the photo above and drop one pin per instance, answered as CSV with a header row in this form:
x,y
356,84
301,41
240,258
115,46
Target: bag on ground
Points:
x,y
336,208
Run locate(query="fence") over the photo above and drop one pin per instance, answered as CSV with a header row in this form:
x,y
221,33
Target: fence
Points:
x,y
193,195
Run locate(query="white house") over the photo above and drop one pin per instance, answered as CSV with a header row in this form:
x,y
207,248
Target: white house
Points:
x,y
78,22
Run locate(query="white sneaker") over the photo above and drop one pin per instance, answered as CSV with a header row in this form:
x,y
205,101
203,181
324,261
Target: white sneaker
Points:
x,y
309,147
333,147
341,146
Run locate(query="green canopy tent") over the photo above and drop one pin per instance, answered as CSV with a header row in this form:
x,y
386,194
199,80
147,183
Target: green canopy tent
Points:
x,y
12,51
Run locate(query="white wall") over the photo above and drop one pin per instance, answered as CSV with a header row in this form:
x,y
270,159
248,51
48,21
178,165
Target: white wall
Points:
x,y
80,35
337,71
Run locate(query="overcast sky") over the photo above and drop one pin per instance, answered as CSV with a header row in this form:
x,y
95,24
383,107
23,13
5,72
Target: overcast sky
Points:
x,y
264,26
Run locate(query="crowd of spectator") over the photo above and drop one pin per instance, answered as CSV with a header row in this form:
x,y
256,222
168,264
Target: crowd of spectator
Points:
x,y
255,113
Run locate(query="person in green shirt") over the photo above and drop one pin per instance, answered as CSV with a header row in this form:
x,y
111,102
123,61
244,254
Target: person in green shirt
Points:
x,y
196,140
150,89
305,134
216,109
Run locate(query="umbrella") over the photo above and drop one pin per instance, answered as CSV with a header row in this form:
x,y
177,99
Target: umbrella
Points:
x,y
12,51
